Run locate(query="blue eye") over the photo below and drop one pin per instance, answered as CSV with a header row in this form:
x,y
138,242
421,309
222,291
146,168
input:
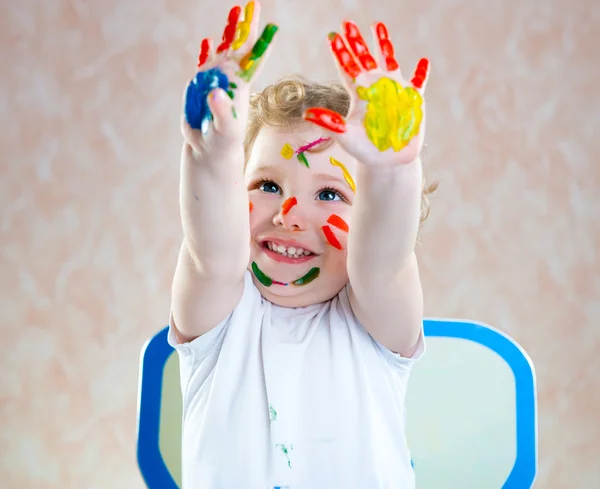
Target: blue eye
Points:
x,y
329,194
270,187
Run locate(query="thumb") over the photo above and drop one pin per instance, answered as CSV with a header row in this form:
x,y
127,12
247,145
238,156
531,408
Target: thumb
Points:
x,y
223,111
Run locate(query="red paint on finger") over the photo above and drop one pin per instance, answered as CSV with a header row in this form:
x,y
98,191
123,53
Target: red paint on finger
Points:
x,y
326,118
386,47
342,54
359,46
230,29
288,204
421,73
331,239
205,47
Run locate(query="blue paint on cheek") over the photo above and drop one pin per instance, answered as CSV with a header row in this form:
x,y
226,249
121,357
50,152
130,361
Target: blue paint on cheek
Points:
x,y
197,112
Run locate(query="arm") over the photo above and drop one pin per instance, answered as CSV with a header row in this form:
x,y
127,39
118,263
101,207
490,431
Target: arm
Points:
x,y
384,131
208,280
386,294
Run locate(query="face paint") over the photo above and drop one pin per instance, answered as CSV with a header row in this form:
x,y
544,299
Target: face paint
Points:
x,y
250,62
330,120
308,146
338,222
230,29
385,46
205,47
288,204
331,239
394,113
287,151
343,56
243,28
421,73
359,46
302,159
250,206
312,274
262,278
347,176
197,113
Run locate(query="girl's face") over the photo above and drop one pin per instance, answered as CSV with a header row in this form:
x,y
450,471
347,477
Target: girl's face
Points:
x,y
300,212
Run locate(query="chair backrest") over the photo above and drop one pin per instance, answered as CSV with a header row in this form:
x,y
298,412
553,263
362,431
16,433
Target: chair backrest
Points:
x,y
471,422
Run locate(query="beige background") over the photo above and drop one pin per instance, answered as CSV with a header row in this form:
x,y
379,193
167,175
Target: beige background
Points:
x,y
89,109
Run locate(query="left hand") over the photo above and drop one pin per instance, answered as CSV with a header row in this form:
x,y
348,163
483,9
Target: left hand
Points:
x,y
386,122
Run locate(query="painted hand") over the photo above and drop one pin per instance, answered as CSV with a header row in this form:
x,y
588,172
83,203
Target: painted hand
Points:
x,y
386,122
216,100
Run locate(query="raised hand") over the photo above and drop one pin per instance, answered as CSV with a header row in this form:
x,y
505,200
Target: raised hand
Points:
x,y
219,120
386,123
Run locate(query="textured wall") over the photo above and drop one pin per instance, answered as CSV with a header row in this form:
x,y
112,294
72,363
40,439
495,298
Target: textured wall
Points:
x,y
90,99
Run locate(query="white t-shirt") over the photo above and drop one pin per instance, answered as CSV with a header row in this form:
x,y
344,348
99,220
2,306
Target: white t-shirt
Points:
x,y
297,398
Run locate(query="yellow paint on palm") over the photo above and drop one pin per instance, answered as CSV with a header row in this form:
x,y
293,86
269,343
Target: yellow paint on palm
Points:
x,y
243,27
394,113
347,176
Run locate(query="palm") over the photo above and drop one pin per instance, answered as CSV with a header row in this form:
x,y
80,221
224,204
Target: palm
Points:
x,y
386,122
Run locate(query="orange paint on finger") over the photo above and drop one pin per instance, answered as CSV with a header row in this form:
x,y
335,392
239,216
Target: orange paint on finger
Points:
x,y
288,204
331,239
338,222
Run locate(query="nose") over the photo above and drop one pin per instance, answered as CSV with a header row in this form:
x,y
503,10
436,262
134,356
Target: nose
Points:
x,y
291,216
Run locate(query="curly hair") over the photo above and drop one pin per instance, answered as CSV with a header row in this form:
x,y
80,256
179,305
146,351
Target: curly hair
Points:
x,y
282,106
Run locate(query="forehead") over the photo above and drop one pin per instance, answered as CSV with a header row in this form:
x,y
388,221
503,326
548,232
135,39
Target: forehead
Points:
x,y
270,142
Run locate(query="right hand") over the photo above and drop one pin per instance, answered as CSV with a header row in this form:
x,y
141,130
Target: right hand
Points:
x,y
241,42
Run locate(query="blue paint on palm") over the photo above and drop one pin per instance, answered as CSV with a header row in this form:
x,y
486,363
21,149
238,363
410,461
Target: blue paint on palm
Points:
x,y
197,112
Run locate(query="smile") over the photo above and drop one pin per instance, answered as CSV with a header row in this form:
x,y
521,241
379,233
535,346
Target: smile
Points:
x,y
286,254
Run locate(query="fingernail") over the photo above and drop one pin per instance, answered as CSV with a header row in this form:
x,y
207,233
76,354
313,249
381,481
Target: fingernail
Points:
x,y
217,94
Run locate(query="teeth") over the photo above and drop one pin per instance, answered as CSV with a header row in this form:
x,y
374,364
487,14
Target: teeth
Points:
x,y
291,251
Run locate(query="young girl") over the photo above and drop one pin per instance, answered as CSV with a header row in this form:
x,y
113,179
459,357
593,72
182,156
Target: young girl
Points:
x,y
297,304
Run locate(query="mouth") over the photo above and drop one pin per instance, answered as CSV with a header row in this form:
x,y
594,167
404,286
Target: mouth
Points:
x,y
287,252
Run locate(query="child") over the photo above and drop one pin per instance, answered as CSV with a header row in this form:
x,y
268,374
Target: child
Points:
x,y
297,324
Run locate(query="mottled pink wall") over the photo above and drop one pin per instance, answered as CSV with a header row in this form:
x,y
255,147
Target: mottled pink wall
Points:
x,y
90,99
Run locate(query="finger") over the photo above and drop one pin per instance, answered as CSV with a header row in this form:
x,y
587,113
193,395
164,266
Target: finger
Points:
x,y
205,52
386,48
230,29
421,72
343,56
223,113
251,61
326,118
245,26
358,46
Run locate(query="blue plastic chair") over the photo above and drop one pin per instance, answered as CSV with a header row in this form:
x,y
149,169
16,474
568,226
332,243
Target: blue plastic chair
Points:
x,y
471,403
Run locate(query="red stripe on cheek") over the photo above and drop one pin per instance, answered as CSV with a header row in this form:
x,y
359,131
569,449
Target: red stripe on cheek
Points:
x,y
333,241
288,204
338,222
251,206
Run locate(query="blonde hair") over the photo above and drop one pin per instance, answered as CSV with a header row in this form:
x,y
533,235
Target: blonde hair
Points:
x,y
282,106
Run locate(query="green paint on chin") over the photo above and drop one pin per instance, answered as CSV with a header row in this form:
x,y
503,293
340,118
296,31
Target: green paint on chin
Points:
x,y
312,274
262,278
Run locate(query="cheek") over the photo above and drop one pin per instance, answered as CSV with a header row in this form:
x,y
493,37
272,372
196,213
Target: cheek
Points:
x,y
335,230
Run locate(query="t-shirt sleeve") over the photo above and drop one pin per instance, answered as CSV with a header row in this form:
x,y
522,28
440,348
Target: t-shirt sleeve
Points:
x,y
397,360
194,353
